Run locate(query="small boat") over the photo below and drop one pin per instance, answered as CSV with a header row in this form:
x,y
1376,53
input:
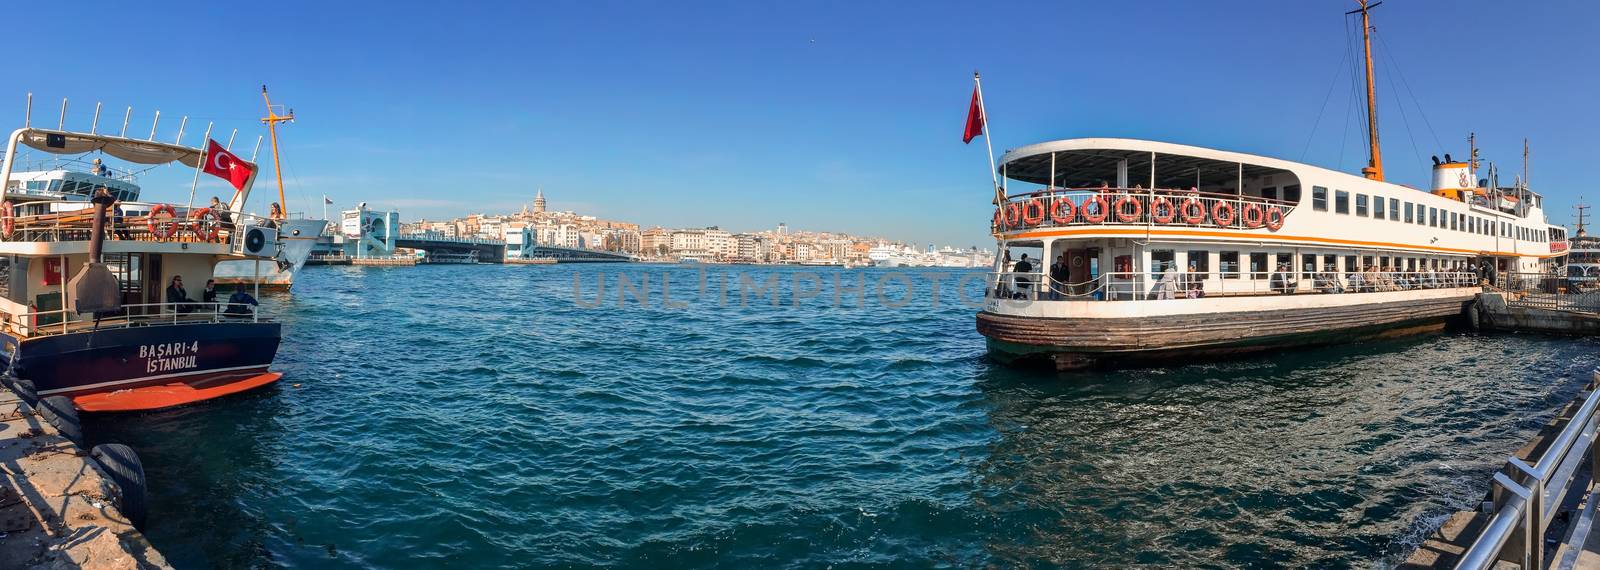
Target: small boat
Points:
x,y
84,296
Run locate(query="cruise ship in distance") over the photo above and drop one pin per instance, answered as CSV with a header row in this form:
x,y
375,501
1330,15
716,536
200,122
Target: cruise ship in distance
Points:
x,y
887,255
1172,251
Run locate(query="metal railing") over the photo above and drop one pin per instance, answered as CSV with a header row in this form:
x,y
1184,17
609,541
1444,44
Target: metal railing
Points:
x,y
1550,291
1527,497
1143,286
1072,207
74,221
61,321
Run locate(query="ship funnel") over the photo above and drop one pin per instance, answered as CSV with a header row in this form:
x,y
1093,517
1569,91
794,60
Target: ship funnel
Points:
x,y
1452,179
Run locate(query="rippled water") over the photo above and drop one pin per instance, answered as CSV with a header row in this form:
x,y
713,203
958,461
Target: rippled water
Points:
x,y
478,416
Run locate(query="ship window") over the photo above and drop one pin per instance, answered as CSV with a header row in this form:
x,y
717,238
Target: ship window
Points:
x,y
1394,209
1269,193
1228,264
1319,198
1408,212
1433,217
1367,261
1361,205
1472,224
1162,260
1350,265
1341,202
1291,193
1286,260
1377,207
1258,266
1455,221
1200,261
1330,263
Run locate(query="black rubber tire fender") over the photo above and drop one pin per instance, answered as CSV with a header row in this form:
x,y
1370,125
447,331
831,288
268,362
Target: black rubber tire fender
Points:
x,y
123,467
61,413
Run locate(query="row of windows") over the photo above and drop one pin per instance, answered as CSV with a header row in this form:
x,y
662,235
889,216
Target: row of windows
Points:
x,y
72,187
1262,264
1414,213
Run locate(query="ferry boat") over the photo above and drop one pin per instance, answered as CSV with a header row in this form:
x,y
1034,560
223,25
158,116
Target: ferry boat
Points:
x,y
84,313
1583,256
1171,251
299,235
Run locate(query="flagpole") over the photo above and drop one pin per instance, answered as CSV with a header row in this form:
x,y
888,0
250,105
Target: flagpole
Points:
x,y
199,166
999,196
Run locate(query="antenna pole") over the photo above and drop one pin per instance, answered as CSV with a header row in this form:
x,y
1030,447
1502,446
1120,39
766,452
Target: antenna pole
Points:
x,y
272,119
1374,169
1000,195
1582,209
1525,163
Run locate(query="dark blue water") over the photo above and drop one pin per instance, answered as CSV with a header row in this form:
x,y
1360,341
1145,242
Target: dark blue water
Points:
x,y
479,417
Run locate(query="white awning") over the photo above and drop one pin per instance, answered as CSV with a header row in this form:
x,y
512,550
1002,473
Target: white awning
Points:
x,y
131,150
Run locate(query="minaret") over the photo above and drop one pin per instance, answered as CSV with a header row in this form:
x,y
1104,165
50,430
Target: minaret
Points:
x,y
538,202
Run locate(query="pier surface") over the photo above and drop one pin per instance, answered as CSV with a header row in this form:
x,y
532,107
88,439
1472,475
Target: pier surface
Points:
x,y
55,506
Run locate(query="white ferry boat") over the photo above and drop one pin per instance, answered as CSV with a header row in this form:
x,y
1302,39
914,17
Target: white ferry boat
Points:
x,y
92,307
1171,251
1583,257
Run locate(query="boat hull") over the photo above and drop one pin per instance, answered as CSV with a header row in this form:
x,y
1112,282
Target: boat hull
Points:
x,y
1079,343
200,355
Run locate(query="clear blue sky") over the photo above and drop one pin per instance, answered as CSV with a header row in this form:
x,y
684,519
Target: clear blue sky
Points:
x,y
825,115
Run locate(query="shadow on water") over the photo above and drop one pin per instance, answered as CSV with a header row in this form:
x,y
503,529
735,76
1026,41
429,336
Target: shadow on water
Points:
x,y
429,432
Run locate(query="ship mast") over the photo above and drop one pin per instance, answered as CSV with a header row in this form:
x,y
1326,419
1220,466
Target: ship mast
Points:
x,y
1374,169
272,119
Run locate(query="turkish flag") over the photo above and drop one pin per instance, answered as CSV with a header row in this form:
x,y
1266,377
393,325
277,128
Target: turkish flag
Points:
x,y
224,165
974,118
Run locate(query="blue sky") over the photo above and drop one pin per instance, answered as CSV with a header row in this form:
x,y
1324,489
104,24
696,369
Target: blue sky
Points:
x,y
825,115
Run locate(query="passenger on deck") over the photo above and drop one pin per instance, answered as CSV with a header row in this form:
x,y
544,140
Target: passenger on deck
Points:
x,y
240,303
224,217
1280,281
1019,274
1194,283
1058,276
209,295
273,216
1167,286
99,169
178,297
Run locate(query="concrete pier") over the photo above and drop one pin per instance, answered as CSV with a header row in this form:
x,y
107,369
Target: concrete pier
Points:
x,y
56,509
1495,313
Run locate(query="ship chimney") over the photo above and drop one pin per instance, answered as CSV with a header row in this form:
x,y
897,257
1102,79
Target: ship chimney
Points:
x,y
1452,179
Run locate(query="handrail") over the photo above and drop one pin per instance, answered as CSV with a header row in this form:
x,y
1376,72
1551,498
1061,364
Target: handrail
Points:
x,y
133,223
165,313
1535,493
1149,285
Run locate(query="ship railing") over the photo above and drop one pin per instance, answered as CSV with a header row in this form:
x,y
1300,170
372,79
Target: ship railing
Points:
x,y
1552,291
1075,207
1526,498
60,321
1150,286
72,164
138,221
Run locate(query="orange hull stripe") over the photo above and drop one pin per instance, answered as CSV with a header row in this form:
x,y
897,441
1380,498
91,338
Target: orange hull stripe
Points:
x,y
1199,233
167,395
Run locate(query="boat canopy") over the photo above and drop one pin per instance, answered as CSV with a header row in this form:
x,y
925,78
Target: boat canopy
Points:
x,y
131,150
1088,163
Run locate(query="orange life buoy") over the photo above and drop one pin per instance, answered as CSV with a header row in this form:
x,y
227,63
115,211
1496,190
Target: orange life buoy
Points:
x,y
162,230
1013,214
1101,209
1033,212
1222,213
1125,216
1252,216
1193,212
999,218
8,219
1274,218
1156,207
206,224
1061,210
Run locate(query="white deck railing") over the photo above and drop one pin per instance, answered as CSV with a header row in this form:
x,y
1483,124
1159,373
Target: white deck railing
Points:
x,y
1073,207
1143,286
132,315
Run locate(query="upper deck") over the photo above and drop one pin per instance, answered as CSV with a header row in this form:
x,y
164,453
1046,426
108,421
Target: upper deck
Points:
x,y
1108,187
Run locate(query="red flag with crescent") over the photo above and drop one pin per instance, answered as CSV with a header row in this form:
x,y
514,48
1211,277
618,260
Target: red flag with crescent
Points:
x,y
224,165
974,119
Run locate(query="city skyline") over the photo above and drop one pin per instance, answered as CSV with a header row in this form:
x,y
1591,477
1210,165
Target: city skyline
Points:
x,y
845,118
